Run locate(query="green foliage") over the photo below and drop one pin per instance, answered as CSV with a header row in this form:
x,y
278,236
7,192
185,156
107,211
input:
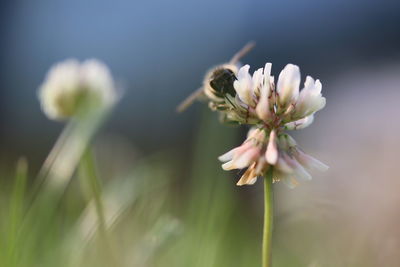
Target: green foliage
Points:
x,y
144,216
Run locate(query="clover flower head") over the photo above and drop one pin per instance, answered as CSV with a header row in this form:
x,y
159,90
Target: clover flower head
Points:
x,y
271,110
70,84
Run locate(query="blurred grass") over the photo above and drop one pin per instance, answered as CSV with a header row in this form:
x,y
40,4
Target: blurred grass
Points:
x,y
215,233
151,217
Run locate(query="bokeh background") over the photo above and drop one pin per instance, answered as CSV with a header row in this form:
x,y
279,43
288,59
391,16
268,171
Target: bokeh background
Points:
x,y
158,52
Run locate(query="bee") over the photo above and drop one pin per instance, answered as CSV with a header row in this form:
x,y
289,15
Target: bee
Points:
x,y
218,82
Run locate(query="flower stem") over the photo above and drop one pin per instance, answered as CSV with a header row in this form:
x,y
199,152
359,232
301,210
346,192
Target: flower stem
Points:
x,y
88,170
268,219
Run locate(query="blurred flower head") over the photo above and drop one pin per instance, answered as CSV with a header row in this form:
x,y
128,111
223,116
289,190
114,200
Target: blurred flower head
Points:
x,y
70,85
270,110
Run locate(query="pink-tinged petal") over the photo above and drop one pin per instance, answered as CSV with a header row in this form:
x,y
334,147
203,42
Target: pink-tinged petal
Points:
x,y
242,160
282,165
247,158
298,170
235,152
271,153
310,162
248,144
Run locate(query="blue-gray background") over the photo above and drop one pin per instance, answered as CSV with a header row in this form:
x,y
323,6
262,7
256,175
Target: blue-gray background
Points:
x,y
158,52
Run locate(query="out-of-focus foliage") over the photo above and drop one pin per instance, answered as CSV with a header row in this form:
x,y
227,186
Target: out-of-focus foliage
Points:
x,y
155,218
151,219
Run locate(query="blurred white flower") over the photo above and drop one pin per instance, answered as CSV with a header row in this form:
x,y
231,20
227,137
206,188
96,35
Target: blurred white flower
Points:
x,y
272,110
71,84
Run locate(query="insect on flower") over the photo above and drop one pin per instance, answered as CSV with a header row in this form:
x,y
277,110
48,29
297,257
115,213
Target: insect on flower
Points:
x,y
271,110
255,100
218,83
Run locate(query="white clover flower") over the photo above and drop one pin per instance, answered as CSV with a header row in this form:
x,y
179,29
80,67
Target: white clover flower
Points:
x,y
71,84
272,110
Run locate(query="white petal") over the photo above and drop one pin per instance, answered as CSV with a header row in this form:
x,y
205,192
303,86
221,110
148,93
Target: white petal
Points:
x,y
283,166
310,99
228,155
288,84
267,73
310,162
243,85
228,166
243,73
306,122
263,108
309,83
318,86
257,80
300,124
300,172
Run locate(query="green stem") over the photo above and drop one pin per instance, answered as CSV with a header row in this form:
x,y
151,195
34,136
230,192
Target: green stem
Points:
x,y
268,219
88,170
16,211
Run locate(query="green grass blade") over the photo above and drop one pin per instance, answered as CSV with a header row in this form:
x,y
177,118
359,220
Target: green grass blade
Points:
x,y
16,210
